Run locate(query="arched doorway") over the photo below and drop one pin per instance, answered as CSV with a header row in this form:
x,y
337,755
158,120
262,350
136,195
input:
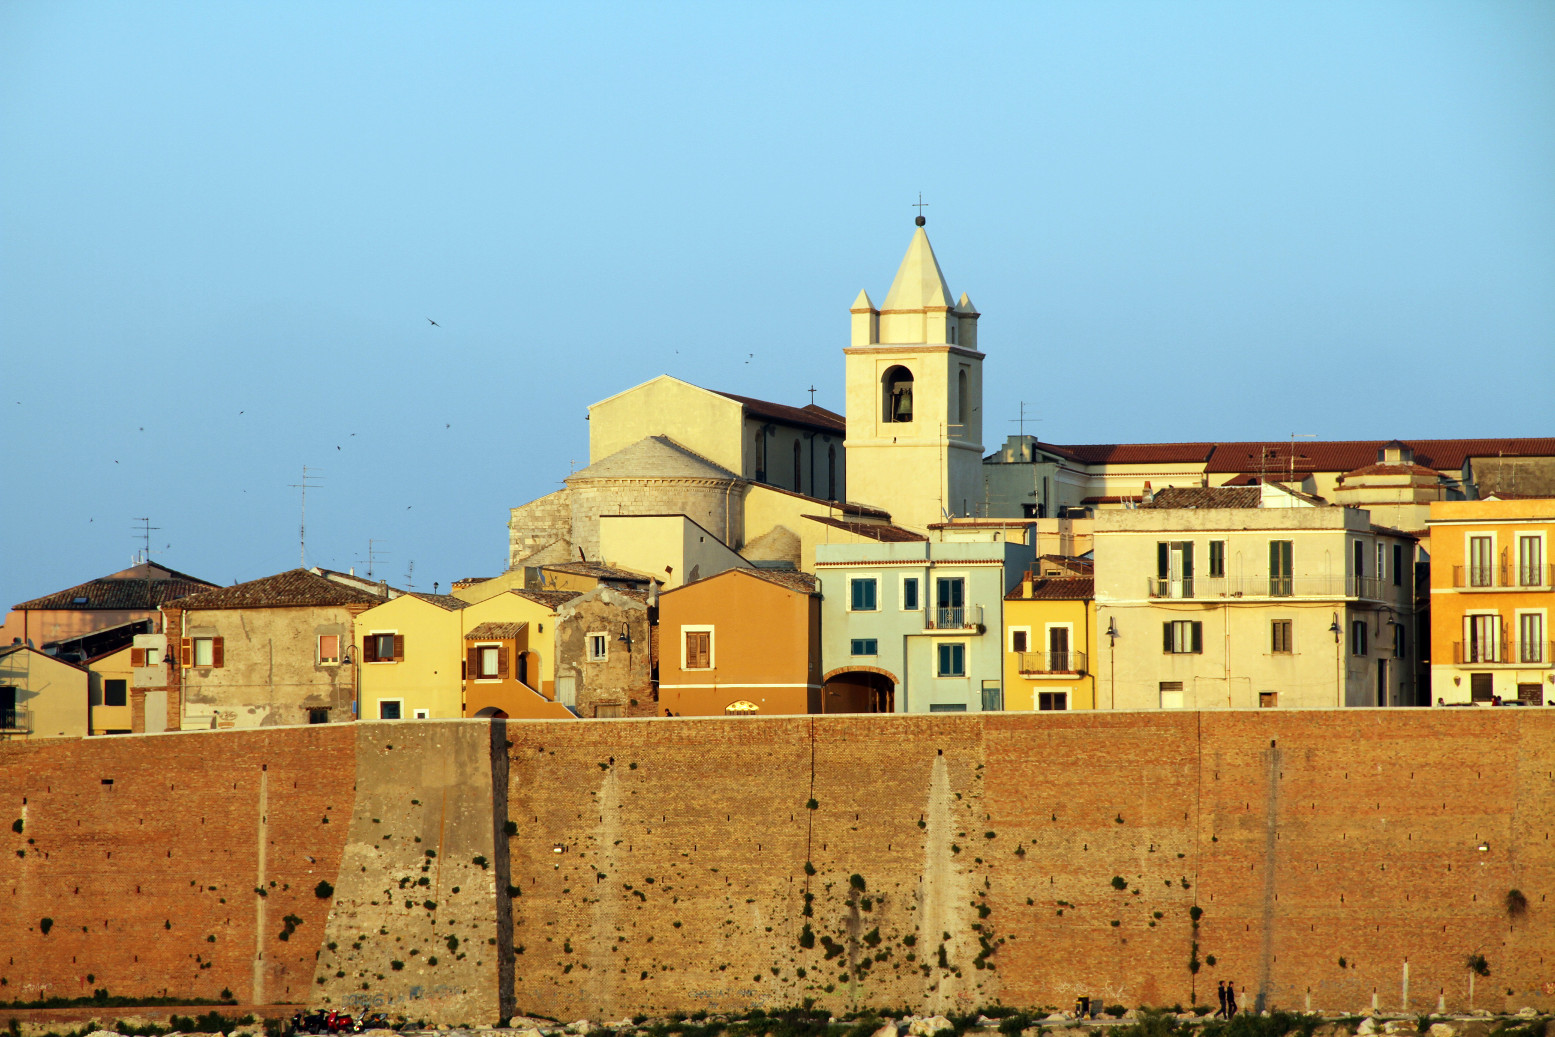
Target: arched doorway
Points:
x,y
858,690
491,713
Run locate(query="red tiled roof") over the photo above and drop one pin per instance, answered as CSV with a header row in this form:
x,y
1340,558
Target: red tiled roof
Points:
x,y
1310,456
444,601
810,416
886,534
1052,588
598,571
297,588
495,631
120,593
1206,497
846,507
792,579
551,599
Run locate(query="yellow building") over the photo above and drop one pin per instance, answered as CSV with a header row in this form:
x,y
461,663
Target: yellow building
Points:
x,y
110,678
1049,617
408,653
508,645
1492,590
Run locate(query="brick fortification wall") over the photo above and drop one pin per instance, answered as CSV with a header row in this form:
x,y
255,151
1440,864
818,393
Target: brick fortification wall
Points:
x,y
681,880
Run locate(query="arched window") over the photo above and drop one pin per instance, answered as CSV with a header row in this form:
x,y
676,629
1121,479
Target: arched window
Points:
x,y
798,487
831,473
897,394
962,410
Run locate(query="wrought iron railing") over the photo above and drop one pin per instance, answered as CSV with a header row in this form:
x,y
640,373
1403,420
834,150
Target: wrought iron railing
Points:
x,y
15,720
1051,662
954,618
1204,587
1503,653
1502,576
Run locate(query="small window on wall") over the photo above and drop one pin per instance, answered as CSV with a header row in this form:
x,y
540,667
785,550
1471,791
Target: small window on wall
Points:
x,y
910,594
865,646
1398,565
318,715
599,646
203,652
1268,699
1482,687
1400,642
421,714
1280,637
489,660
952,661
1183,636
1020,640
389,709
1358,637
329,648
140,657
1217,557
1172,695
1047,700
115,693
383,648
699,649
863,595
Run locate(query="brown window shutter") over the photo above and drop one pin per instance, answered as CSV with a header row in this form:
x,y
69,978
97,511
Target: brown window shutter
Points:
x,y
137,657
369,649
473,661
502,661
217,655
186,653
399,648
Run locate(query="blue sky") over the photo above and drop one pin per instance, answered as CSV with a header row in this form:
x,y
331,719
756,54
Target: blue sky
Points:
x,y
223,228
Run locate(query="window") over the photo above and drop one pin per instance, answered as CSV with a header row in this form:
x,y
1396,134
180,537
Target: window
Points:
x,y
1358,637
1398,565
1268,699
383,648
699,649
318,715
947,707
1174,569
1400,643
421,714
329,648
952,660
116,693
1482,635
950,599
761,455
1217,558
1530,561
831,473
1381,557
866,646
599,647
1171,695
863,595
1020,639
1280,581
1058,649
1183,636
1047,700
1530,637
910,594
389,709
896,404
140,657
1481,561
993,697
1279,637
1360,559
203,651
963,407
1482,687
490,662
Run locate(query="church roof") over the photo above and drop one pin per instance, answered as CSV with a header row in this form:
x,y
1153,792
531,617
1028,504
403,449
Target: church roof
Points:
x,y
809,416
919,282
654,457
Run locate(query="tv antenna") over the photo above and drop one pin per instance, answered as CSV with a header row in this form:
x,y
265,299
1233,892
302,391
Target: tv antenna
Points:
x,y
144,531
1293,437
1023,419
410,575
302,523
375,554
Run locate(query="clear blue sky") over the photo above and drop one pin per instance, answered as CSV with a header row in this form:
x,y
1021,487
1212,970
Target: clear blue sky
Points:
x,y
223,228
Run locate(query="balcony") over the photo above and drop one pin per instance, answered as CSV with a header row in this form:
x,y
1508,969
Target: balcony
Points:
x,y
1503,577
956,618
1205,588
1051,662
15,721
1504,653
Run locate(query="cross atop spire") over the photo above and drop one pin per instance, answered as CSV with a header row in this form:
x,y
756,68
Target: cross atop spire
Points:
x,y
920,205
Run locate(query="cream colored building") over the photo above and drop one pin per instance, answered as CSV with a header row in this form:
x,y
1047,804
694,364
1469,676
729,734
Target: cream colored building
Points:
x,y
40,696
1231,601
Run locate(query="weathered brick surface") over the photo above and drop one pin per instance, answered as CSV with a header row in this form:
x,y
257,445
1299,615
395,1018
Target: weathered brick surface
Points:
x,y
151,881
681,879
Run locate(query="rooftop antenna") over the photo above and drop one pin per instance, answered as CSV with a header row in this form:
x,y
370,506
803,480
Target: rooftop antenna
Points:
x,y
920,205
410,573
1293,437
374,554
1022,419
144,531
302,523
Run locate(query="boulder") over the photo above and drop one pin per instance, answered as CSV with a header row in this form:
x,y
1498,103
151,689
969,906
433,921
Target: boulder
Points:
x,y
888,1030
580,1026
1393,1026
1527,1013
1056,1017
930,1026
1367,1028
1442,1030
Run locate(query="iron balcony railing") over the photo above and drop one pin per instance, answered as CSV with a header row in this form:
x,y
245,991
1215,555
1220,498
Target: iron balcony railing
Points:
x,y
1052,662
1502,576
1503,653
15,720
954,618
1200,588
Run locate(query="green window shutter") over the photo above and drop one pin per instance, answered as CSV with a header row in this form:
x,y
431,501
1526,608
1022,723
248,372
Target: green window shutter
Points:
x,y
1163,560
1166,637
1187,561
1198,636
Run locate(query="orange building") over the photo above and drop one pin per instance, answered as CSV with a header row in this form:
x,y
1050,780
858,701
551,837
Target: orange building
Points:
x,y
747,641
1492,592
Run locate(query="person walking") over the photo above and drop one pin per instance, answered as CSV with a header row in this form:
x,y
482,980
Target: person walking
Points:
x,y
1220,1012
1231,1000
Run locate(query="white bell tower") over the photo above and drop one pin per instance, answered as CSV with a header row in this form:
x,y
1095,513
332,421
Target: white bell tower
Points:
x,y
915,396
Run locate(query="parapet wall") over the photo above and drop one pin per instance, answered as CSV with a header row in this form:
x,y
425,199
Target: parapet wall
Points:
x,y
659,865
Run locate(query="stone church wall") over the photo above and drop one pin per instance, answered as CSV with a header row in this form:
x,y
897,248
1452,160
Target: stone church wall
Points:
x,y
709,503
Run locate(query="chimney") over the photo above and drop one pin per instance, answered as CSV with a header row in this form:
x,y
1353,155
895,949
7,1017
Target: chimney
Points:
x,y
1148,496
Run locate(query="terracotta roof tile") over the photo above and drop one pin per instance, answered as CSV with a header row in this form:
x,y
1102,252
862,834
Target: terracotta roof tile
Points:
x,y
1310,456
551,599
886,534
1206,497
495,631
1056,589
1393,469
445,601
297,588
596,570
792,579
121,593
809,416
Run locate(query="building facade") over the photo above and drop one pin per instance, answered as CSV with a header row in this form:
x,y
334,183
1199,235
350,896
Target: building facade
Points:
x,y
1492,592
1049,621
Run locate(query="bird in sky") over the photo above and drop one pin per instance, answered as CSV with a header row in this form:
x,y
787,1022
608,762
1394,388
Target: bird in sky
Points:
x,y
434,323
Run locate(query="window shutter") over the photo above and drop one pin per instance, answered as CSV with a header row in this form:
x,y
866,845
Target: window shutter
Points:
x,y
399,648
1198,636
369,649
502,661
217,659
1166,631
186,653
1163,560
137,657
473,663
1187,561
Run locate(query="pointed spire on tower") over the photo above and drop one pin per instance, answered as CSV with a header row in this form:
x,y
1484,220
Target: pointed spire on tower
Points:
x,y
919,282
863,304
